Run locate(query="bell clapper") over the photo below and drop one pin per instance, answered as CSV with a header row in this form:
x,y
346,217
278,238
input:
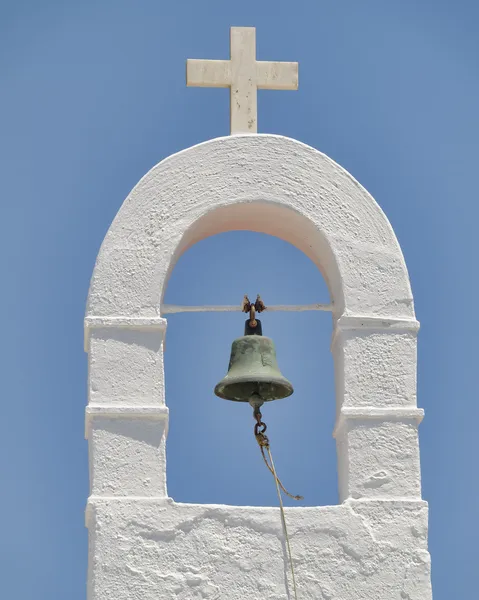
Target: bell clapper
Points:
x,y
260,429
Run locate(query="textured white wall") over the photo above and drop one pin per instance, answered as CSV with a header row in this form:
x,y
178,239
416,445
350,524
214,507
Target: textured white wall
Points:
x,y
143,544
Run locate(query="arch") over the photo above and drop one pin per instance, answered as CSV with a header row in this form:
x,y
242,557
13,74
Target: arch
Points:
x,y
281,187
265,183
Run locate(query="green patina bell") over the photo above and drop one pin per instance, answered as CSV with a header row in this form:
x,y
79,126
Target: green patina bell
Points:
x,y
253,373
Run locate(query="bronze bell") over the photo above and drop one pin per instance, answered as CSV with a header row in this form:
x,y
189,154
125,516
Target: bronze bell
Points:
x,y
253,373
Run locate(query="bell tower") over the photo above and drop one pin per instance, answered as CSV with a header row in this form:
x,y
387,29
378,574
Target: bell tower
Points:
x,y
141,542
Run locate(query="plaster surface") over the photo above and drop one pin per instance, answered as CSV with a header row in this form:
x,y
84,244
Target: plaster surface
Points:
x,y
358,550
143,544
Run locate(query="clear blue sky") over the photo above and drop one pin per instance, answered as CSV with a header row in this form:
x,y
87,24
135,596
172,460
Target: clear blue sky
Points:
x,y
92,96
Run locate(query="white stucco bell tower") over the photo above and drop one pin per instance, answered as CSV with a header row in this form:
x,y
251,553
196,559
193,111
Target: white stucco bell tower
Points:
x,y
142,544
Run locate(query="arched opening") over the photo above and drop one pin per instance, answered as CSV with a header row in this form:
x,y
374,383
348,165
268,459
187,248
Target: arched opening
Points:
x,y
212,455
274,219
264,184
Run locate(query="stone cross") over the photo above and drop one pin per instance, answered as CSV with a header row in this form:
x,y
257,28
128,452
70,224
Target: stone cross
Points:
x,y
243,74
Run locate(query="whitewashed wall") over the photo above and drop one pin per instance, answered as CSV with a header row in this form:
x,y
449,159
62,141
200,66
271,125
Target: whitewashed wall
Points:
x,y
143,544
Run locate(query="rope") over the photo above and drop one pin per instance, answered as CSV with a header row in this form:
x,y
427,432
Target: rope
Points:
x,y
283,520
278,480
263,442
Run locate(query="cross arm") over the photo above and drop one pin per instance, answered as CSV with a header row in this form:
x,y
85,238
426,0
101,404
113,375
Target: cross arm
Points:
x,y
277,75
208,73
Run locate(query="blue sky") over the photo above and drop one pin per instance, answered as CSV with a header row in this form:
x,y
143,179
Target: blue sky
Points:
x,y
93,95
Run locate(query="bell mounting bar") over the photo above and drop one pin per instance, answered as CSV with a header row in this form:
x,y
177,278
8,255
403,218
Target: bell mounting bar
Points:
x,y
168,309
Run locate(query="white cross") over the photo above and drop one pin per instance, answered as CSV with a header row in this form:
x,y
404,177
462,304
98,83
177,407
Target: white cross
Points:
x,y
243,74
